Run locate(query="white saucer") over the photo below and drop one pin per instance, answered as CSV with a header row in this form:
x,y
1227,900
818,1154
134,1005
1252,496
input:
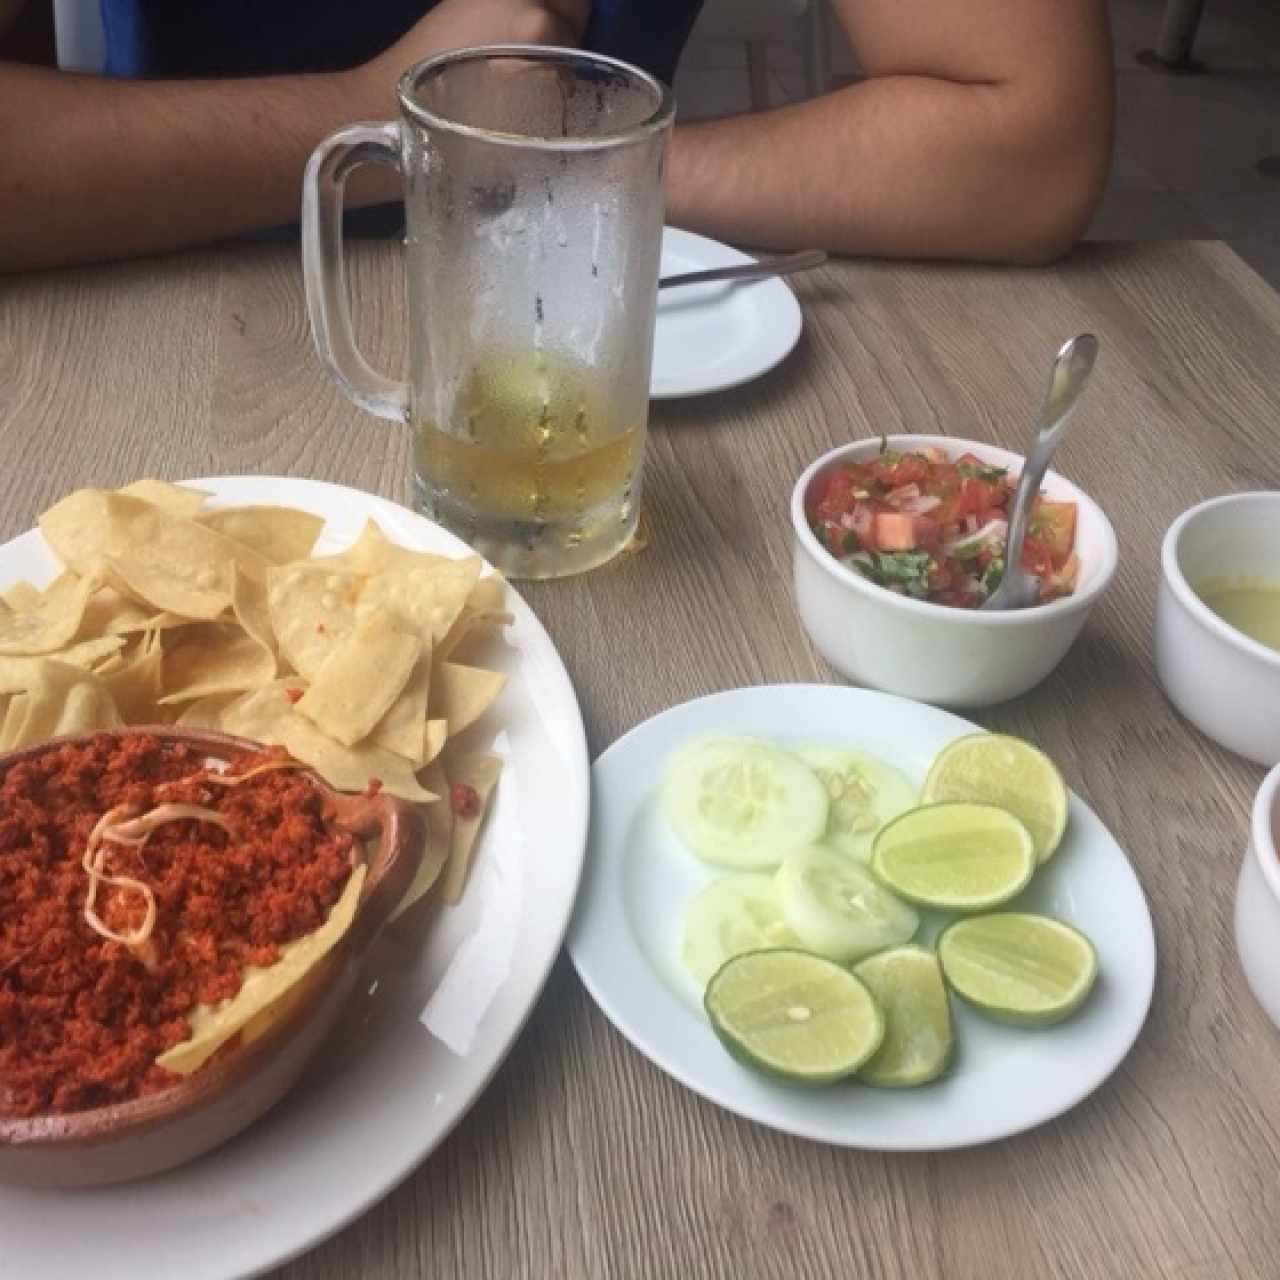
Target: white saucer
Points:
x,y
626,932
714,336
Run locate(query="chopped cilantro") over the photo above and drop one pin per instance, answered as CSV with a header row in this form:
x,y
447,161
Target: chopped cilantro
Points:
x,y
972,471
909,568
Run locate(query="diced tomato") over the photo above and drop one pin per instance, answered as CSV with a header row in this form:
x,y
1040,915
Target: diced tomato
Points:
x,y
836,497
1054,525
895,531
1061,582
975,497
927,531
1036,558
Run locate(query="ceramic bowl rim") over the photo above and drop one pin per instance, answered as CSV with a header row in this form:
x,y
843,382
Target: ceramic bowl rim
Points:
x,y
1080,601
1262,831
1182,590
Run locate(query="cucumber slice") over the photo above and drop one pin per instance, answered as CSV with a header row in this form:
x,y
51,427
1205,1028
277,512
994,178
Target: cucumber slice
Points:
x,y
741,802
838,909
732,915
864,793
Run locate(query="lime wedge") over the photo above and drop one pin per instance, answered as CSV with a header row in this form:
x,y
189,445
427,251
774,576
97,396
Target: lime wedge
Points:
x,y
992,768
907,985
957,857
794,1015
1019,968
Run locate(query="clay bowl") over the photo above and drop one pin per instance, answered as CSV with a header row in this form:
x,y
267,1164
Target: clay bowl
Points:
x,y
161,1130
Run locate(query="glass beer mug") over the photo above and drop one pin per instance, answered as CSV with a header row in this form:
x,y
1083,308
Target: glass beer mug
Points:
x,y
533,187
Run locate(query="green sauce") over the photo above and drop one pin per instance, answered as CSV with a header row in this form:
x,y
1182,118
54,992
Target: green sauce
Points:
x,y
1251,605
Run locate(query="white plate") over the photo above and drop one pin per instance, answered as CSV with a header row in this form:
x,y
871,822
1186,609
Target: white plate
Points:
x,y
625,939
393,1090
713,336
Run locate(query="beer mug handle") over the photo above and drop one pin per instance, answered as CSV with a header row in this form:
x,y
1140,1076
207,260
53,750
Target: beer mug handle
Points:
x,y
324,267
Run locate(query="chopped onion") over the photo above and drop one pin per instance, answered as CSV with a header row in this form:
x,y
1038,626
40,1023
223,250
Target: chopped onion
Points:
x,y
993,529
925,502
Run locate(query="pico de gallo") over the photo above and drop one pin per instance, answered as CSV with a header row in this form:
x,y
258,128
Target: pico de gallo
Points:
x,y
925,526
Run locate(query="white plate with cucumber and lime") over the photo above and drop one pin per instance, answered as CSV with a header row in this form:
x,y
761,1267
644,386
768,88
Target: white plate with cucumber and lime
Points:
x,y
859,919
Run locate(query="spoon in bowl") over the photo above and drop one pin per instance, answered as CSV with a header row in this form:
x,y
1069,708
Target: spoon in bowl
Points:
x,y
1071,369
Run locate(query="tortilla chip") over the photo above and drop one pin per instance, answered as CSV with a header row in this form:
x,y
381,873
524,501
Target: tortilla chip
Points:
x,y
429,597
312,611
54,621
21,597
213,1025
463,694
435,850
16,674
137,685
76,528
277,534
206,712
483,613
14,714
361,678
404,728
160,559
114,613
480,772
351,768
177,499
373,552
437,736
214,657
61,699
268,716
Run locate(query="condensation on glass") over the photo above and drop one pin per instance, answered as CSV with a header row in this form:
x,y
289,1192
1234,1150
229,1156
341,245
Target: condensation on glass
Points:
x,y
533,184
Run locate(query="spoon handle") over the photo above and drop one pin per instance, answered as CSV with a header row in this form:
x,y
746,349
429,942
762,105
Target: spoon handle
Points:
x,y
1067,379
782,266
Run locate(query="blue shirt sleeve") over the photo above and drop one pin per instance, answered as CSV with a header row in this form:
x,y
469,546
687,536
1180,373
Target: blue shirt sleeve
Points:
x,y
238,37
649,33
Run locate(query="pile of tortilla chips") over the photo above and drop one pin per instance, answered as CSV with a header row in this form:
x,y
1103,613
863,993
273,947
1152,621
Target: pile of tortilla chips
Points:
x,y
221,619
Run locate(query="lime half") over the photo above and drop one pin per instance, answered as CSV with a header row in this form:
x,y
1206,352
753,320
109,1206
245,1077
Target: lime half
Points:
x,y
794,1015
1020,968
992,768
957,857
907,985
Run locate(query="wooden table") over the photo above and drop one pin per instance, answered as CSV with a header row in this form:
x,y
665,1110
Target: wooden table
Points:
x,y
582,1159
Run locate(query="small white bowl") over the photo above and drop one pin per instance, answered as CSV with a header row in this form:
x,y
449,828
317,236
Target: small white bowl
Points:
x,y
932,652
1258,900
1226,684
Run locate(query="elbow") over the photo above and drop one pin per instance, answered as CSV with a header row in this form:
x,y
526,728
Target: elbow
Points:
x,y
1061,182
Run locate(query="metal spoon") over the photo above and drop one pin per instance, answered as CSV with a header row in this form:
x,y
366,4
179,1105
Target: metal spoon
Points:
x,y
780,266
1071,369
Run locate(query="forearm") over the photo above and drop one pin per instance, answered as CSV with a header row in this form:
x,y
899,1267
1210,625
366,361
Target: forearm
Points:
x,y
92,168
899,165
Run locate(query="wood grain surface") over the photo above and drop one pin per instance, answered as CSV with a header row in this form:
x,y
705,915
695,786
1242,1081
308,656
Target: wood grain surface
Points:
x,y
582,1159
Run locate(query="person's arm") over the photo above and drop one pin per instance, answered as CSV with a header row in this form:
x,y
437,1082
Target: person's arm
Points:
x,y
983,130
94,168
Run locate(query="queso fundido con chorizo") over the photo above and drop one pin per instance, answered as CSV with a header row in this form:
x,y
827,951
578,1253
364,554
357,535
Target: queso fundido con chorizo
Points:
x,y
135,888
